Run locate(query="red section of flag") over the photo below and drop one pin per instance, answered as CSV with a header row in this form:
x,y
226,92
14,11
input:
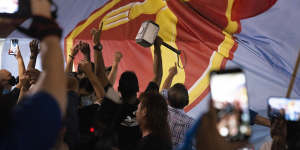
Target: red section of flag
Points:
x,y
199,33
122,38
249,8
198,37
210,10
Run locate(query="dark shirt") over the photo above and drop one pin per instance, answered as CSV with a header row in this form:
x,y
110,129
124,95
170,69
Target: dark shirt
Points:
x,y
35,125
122,117
253,114
15,95
128,130
10,99
152,142
71,120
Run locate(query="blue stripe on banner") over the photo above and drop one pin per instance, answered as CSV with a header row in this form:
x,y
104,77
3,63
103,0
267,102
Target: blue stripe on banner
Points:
x,y
268,48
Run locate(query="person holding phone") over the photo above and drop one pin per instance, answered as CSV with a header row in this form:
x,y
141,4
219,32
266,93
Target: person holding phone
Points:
x,y
285,124
14,45
207,136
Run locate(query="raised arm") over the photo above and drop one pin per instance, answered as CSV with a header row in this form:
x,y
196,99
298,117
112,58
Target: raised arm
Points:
x,y
85,50
25,85
34,51
52,80
87,69
70,58
157,62
169,79
260,120
113,73
99,62
97,48
21,66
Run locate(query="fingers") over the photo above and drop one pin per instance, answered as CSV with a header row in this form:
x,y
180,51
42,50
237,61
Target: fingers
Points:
x,y
93,31
118,54
18,53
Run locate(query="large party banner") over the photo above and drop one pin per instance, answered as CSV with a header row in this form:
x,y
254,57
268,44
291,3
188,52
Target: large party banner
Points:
x,y
202,29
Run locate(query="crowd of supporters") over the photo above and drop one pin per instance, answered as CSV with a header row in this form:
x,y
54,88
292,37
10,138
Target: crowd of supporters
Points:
x,y
56,108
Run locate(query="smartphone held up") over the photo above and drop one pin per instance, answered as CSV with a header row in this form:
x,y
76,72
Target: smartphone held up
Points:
x,y
20,8
14,44
15,8
229,95
280,106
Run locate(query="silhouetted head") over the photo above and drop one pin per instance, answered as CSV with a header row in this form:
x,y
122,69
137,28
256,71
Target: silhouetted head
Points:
x,y
128,84
178,96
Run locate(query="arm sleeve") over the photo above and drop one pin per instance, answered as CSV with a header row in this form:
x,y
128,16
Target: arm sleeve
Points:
x,y
37,121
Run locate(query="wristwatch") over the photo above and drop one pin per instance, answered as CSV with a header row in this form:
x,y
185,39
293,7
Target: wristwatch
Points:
x,y
98,47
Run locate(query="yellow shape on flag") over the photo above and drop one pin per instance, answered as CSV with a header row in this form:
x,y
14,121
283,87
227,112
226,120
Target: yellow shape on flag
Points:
x,y
216,59
83,26
168,32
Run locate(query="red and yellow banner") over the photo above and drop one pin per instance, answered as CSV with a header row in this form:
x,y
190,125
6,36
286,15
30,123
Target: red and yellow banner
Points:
x,y
202,29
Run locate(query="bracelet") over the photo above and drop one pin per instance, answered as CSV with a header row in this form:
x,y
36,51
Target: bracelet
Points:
x,y
42,27
98,47
71,56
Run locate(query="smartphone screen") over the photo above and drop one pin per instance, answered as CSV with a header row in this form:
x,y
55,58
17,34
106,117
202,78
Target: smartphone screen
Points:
x,y
14,43
9,6
291,108
229,95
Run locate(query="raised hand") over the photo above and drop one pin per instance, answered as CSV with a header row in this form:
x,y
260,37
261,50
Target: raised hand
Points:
x,y
85,66
213,140
18,54
118,57
74,51
96,35
173,70
85,49
34,47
